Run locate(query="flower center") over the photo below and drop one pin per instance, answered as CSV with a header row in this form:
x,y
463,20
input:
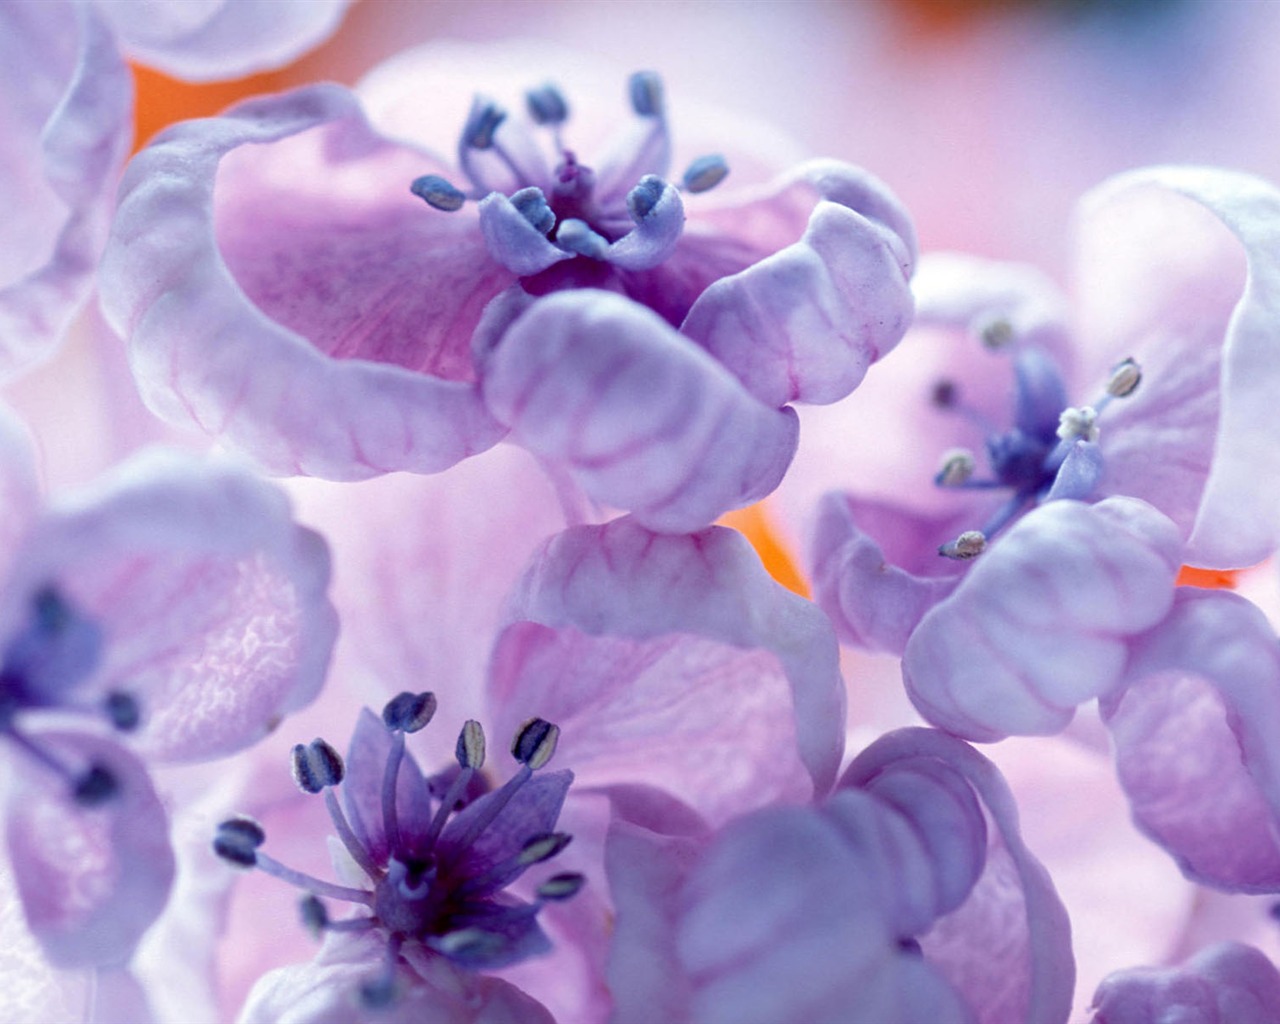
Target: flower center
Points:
x,y
1050,452
437,872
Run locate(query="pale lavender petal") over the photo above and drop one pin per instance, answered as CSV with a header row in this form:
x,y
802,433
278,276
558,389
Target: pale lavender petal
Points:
x,y
212,602
362,788
805,323
1210,389
1194,735
216,39
642,418
1224,984
311,311
513,241
1043,620
117,996
1007,949
19,488
1079,473
620,580
654,236
66,105
92,880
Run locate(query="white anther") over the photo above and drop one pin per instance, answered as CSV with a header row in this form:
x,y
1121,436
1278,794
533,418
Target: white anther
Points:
x,y
1078,424
969,544
995,332
1124,379
957,467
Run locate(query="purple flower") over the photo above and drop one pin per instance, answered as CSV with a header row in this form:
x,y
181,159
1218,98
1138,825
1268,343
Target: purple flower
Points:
x,y
905,895
67,107
432,859
647,337
1067,547
173,612
1222,984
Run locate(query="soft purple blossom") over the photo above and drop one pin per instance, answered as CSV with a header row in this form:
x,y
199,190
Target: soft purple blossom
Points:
x,y
678,329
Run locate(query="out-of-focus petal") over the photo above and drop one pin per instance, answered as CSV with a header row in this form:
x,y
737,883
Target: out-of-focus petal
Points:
x,y
309,310
212,602
1194,734
642,418
622,581
1219,361
1043,620
208,40
66,112
1007,949
92,879
1224,984
19,488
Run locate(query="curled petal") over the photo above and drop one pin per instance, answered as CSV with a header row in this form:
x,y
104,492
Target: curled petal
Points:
x,y
1007,948
211,602
223,39
92,880
513,241
1221,984
307,308
66,103
674,593
654,236
1043,620
1194,734
642,418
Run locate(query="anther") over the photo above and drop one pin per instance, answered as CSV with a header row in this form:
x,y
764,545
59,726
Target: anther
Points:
x,y
644,197
52,613
95,787
705,173
483,121
562,886
996,333
645,90
957,468
123,711
535,742
237,840
316,766
969,544
469,943
547,105
1124,379
543,847
470,748
944,394
532,205
315,916
438,193
377,993
1078,424
409,712
577,236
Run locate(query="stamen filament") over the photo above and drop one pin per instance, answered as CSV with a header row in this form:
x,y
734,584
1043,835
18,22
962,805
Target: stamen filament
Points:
x,y
390,816
348,837
316,886
456,789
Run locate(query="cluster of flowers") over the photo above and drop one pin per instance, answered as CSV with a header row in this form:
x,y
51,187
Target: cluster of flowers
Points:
x,y
582,360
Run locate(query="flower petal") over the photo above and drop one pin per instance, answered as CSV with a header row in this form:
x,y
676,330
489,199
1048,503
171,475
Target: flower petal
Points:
x,y
92,879
673,594
1043,620
642,419
362,788
308,309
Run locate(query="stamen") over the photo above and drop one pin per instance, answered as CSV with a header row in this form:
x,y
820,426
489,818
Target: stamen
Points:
x,y
562,886
237,840
538,849
123,710
532,205
1124,379
316,886
348,837
380,992
547,105
1078,424
958,465
390,778
995,333
644,197
470,748
438,193
483,121
95,787
645,90
316,766
577,236
944,394
705,173
969,544
314,914
535,742
409,712
469,944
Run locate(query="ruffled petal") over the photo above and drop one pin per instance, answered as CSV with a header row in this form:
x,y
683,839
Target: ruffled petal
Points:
x,y
1223,984
1194,735
218,39
309,309
674,593
92,880
1198,438
1043,620
66,106
211,601
513,241
1007,948
642,418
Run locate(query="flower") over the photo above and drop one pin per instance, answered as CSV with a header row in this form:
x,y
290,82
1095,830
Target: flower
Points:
x,y
172,613
413,336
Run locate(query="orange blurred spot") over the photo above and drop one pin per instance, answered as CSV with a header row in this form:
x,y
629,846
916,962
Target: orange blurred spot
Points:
x,y
1214,579
162,101
754,524
931,18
